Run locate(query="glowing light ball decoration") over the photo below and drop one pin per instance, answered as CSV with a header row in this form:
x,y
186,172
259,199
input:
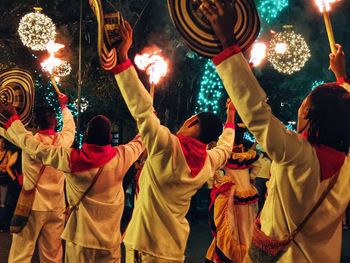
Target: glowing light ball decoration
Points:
x,y
288,52
36,30
211,90
281,48
62,70
84,104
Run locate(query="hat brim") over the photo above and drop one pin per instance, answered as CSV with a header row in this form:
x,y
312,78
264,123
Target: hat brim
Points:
x,y
198,34
17,88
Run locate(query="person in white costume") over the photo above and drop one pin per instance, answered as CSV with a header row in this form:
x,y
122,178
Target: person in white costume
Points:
x,y
177,166
46,220
92,232
310,172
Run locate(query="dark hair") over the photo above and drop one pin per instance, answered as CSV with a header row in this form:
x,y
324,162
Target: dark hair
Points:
x,y
210,127
99,131
45,117
329,117
239,131
6,143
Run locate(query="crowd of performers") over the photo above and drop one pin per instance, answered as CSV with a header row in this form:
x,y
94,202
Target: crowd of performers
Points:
x,y
306,196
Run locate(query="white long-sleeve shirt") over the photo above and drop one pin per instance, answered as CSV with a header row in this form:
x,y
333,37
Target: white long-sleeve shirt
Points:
x,y
158,225
96,222
295,184
49,192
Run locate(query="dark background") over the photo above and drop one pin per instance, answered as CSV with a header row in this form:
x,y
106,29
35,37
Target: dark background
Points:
x,y
176,96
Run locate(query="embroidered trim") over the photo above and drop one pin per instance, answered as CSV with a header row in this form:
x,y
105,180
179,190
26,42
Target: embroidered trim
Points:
x,y
246,200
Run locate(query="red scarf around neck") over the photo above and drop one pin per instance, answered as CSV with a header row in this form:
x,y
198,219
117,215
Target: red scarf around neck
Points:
x,y
195,153
91,156
330,159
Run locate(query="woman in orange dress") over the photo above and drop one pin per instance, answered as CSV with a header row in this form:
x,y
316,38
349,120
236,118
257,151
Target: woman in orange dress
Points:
x,y
233,207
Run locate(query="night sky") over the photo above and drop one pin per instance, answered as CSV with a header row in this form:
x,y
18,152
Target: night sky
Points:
x,y
177,96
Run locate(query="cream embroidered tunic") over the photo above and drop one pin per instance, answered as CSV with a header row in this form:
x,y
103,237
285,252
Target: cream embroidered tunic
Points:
x,y
158,225
96,222
49,194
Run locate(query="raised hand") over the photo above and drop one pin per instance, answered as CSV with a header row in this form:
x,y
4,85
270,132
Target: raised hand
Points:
x,y
63,100
230,111
126,33
222,17
338,63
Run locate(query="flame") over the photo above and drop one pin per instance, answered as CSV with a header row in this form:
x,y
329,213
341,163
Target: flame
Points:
x,y
51,62
53,47
258,53
152,61
325,5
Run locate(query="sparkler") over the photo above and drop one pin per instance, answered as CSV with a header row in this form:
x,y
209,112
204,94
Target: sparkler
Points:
x,y
325,7
154,64
258,54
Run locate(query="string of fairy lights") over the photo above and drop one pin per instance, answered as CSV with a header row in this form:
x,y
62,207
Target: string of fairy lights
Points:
x,y
269,10
316,83
210,91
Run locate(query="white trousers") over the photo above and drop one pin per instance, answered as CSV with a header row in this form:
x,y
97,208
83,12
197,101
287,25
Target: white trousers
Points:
x,y
79,254
133,256
44,227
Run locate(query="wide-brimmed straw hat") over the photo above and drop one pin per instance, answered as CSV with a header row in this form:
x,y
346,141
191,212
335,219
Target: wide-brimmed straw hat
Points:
x,y
107,34
17,88
198,34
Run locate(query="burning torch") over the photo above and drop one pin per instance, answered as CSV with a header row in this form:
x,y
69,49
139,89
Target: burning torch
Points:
x,y
325,7
52,62
257,54
154,64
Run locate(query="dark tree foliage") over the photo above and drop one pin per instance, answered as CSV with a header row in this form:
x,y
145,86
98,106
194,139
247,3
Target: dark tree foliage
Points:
x,y
176,96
